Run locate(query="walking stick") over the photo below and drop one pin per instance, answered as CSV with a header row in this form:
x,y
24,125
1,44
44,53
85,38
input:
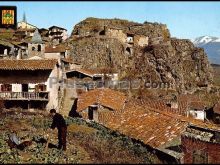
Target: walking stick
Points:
x,y
47,144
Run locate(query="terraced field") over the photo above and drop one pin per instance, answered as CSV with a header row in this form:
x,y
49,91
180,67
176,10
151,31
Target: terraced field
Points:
x,y
86,142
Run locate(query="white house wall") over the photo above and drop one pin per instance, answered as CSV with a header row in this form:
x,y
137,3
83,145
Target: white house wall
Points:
x,y
200,115
24,25
53,89
16,88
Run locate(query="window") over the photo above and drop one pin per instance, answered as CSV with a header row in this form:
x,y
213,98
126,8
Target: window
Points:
x,y
200,157
128,51
40,87
6,88
39,48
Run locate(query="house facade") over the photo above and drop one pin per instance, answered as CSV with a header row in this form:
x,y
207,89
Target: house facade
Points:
x,y
201,145
28,84
98,103
24,25
36,47
57,34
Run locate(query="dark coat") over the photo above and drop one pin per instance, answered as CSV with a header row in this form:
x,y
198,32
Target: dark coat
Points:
x,y
58,121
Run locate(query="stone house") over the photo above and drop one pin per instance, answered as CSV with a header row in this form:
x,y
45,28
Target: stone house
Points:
x,y
69,64
23,33
56,52
141,40
189,105
155,127
197,110
90,79
57,34
125,37
24,25
29,84
80,74
95,104
36,47
201,145
9,50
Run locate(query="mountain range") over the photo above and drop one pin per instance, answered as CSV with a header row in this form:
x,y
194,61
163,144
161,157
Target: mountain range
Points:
x,y
211,46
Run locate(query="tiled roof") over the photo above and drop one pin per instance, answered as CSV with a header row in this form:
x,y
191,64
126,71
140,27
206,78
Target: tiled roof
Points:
x,y
105,97
44,64
56,27
152,126
6,43
57,49
185,102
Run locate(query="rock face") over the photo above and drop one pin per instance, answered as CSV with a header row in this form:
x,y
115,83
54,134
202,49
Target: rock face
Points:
x,y
145,51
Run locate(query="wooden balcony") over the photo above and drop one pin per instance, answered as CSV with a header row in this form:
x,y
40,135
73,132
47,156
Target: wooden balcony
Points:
x,y
40,96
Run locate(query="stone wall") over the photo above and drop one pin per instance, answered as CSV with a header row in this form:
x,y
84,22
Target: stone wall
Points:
x,y
154,55
116,33
36,51
141,40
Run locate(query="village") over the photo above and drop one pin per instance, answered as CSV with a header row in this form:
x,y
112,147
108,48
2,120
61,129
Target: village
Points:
x,y
39,73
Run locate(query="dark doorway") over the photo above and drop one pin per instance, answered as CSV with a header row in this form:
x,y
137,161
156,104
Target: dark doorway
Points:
x,y
24,87
73,112
128,50
102,33
90,113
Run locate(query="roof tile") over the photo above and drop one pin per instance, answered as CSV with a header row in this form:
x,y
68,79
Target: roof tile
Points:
x,y
45,64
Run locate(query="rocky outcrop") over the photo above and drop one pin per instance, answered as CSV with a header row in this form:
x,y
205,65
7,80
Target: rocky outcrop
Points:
x,y
144,51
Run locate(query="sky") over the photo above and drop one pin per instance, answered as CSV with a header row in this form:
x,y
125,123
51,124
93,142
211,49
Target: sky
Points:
x,y
185,20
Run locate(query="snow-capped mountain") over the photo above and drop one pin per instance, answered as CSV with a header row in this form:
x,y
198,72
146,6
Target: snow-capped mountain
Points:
x,y
211,46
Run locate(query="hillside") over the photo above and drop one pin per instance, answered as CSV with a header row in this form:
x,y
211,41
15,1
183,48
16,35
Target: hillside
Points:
x,y
86,142
144,51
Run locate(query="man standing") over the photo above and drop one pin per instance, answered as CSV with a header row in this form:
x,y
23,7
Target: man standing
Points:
x,y
59,122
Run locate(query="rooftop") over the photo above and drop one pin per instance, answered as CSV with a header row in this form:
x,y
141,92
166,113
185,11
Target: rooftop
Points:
x,y
27,23
87,72
152,126
105,97
57,49
45,64
56,27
